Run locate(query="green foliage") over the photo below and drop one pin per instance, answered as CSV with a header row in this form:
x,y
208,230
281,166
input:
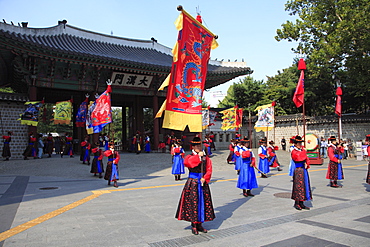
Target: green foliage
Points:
x,y
246,93
335,35
280,88
205,104
6,90
148,119
117,122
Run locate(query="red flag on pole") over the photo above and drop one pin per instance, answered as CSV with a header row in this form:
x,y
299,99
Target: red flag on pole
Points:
x,y
298,96
338,105
102,113
239,117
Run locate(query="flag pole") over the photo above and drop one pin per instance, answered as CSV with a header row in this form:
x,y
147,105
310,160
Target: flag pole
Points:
x,y
304,122
299,96
339,127
250,125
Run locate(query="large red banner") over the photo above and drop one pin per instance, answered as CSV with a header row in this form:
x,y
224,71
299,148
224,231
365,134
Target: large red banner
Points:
x,y
188,76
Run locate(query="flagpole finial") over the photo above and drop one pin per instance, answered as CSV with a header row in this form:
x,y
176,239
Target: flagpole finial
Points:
x,y
109,82
179,8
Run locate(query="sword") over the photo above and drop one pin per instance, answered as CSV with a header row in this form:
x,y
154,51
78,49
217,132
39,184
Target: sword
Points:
x,y
260,171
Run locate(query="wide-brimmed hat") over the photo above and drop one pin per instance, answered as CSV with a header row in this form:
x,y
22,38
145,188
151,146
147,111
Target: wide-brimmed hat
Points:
x,y
263,141
196,141
332,138
271,142
298,139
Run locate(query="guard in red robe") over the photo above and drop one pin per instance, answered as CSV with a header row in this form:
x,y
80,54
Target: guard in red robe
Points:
x,y
6,148
97,163
195,203
272,158
301,190
31,148
85,151
335,170
50,145
368,167
111,173
68,147
231,156
212,137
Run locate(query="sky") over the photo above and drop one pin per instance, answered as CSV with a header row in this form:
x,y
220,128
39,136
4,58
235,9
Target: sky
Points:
x,y
246,28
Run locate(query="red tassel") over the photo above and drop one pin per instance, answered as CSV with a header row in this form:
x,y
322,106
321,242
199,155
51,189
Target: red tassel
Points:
x,y
199,18
301,64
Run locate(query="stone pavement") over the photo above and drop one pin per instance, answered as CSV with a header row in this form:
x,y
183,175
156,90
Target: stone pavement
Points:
x,y
57,202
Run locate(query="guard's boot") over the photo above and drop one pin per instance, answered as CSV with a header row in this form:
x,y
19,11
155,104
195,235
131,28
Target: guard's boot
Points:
x,y
249,193
245,193
336,183
333,184
194,229
297,206
279,169
303,206
200,228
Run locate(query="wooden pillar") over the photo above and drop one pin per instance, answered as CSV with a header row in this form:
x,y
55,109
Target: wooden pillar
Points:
x,y
156,121
139,116
124,127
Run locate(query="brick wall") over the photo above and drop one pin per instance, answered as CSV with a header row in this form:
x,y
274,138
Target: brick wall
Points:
x,y
353,127
10,111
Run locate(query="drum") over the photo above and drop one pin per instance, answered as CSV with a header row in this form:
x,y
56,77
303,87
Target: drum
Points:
x,y
312,142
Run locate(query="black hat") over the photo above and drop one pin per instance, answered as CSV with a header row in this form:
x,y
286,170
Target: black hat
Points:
x,y
196,141
263,140
332,138
271,142
297,139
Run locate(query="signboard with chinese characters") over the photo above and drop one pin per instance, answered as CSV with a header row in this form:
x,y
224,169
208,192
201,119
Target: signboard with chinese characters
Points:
x,y
131,80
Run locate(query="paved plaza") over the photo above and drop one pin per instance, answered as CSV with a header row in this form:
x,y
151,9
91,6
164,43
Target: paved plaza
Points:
x,y
58,202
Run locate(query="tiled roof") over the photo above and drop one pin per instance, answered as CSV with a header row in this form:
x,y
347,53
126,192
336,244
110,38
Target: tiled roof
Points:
x,y
13,97
75,42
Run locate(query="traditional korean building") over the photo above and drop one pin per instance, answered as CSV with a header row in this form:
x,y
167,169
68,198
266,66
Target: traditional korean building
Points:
x,y
64,61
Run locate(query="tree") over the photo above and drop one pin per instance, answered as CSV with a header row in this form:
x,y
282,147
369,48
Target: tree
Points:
x,y
335,35
205,104
319,98
280,88
245,93
116,122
